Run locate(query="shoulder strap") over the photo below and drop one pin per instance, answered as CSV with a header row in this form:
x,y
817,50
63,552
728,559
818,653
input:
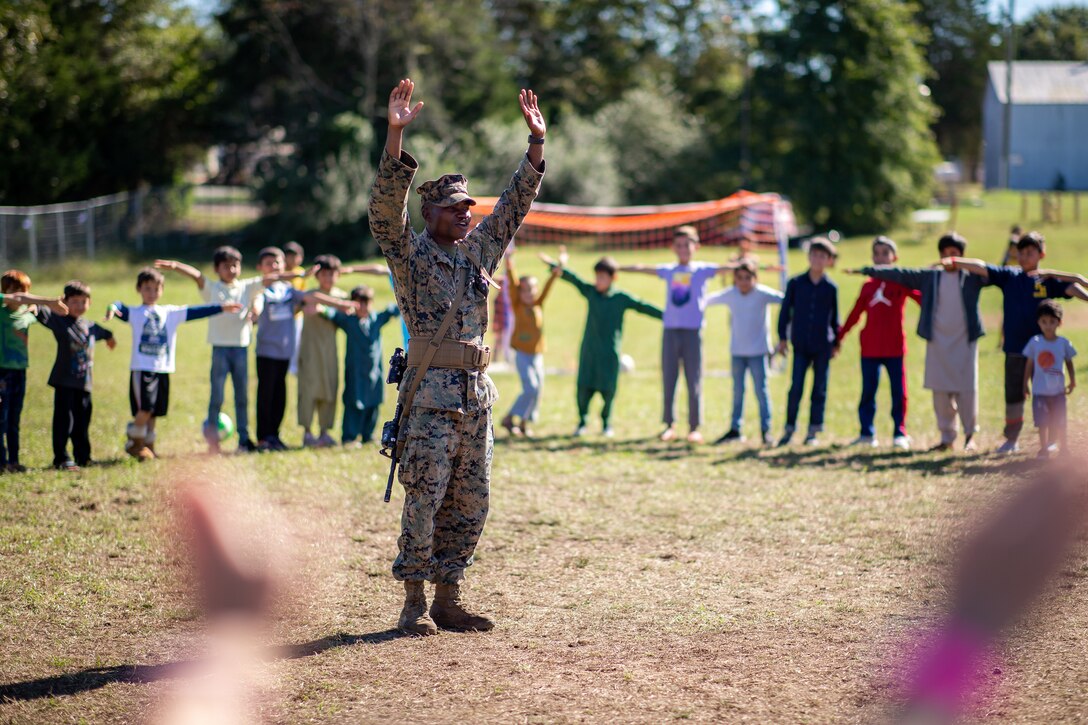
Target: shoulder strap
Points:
x,y
432,347
476,261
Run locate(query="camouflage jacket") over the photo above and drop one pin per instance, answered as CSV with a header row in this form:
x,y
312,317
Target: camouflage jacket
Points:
x,y
425,277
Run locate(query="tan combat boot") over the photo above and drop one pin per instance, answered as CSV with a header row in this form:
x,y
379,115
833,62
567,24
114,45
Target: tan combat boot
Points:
x,y
448,612
414,618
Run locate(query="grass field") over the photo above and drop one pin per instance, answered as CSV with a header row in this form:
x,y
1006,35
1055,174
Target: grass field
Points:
x,y
632,580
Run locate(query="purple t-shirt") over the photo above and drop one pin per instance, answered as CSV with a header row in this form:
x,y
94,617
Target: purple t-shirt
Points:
x,y
685,299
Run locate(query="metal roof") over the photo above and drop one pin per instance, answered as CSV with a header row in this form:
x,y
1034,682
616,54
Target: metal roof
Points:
x,y
1038,82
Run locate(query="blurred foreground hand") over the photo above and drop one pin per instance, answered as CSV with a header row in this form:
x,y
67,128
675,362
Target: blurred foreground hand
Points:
x,y
235,573
1012,556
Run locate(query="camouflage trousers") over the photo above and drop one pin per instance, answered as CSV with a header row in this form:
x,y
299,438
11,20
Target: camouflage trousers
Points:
x,y
446,474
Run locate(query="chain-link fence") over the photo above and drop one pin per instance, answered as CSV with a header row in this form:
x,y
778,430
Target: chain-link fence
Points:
x,y
139,222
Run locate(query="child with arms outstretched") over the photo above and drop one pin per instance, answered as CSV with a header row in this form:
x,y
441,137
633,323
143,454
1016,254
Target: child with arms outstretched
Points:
x,y
599,359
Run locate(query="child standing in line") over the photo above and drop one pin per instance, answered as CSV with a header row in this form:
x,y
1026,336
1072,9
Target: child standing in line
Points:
x,y
501,323
276,344
599,359
364,384
15,321
951,326
883,344
229,335
810,322
293,258
318,366
70,377
749,344
1046,354
527,342
682,339
154,342
745,254
1022,288
1011,257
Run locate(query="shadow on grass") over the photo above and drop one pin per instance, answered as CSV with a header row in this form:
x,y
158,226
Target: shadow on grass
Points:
x,y
93,678
875,461
650,446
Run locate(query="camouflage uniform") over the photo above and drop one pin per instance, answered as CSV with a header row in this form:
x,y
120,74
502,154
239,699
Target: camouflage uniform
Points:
x,y
446,465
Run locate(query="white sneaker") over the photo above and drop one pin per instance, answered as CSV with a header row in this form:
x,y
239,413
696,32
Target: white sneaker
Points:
x,y
901,442
579,431
1008,448
608,432
868,441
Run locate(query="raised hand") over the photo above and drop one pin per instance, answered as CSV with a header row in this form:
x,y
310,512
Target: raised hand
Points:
x,y
401,111
563,256
530,109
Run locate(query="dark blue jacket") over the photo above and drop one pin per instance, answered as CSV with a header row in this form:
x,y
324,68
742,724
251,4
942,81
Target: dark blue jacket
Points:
x,y
810,314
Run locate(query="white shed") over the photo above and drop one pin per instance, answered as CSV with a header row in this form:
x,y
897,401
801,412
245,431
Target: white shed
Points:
x,y
1048,143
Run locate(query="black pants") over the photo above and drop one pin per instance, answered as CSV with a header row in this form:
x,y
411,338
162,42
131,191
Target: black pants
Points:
x,y
12,393
71,419
271,395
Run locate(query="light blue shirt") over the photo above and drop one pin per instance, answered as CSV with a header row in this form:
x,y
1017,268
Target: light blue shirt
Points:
x,y
1048,356
750,318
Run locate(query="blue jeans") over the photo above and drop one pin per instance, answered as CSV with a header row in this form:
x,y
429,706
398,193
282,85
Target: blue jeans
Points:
x,y
756,366
820,362
12,393
232,361
531,370
870,380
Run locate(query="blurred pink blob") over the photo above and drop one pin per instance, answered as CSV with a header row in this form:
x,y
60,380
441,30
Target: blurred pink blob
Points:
x,y
236,572
1004,565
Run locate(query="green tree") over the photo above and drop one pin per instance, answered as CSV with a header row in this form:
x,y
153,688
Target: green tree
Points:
x,y
294,73
1057,33
962,40
582,54
657,146
840,120
99,97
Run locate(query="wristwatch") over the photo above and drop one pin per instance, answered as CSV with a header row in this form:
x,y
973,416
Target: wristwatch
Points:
x,y
538,140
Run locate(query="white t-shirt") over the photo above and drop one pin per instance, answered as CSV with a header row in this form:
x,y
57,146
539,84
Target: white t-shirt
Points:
x,y
154,336
233,329
750,318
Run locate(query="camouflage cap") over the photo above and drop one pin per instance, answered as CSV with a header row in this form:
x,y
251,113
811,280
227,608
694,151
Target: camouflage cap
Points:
x,y
446,191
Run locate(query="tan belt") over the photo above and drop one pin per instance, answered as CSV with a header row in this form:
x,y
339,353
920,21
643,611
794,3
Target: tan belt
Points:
x,y
450,354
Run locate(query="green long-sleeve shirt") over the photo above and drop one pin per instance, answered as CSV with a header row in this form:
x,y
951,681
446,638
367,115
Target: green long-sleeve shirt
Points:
x,y
599,360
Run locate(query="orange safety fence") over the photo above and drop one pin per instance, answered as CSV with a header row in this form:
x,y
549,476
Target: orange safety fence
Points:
x,y
761,218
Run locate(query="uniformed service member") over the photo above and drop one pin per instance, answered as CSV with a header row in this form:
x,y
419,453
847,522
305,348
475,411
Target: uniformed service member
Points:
x,y
445,466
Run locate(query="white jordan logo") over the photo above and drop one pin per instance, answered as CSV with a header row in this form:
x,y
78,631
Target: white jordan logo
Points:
x,y
879,297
